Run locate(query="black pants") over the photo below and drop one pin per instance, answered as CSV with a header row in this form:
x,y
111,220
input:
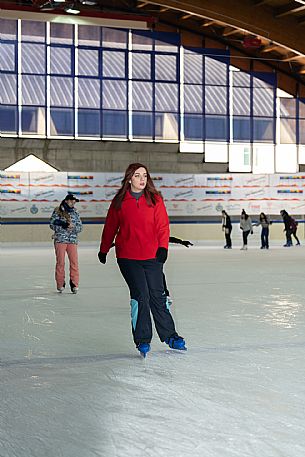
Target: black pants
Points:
x,y
245,237
145,281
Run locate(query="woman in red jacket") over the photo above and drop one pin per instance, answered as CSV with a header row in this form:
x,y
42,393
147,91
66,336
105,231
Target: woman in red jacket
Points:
x,y
138,221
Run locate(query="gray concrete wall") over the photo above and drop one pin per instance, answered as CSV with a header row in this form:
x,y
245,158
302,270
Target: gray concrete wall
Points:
x,y
99,156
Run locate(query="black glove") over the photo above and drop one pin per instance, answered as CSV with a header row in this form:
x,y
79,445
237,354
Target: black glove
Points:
x,y
161,255
187,244
102,257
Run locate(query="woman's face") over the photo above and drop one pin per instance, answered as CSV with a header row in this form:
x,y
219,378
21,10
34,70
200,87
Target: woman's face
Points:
x,y
139,180
70,203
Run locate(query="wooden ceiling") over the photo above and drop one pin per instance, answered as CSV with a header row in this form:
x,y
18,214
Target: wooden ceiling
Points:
x,y
269,31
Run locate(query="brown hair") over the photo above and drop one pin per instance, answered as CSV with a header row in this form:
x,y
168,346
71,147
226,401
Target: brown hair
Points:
x,y
62,213
150,192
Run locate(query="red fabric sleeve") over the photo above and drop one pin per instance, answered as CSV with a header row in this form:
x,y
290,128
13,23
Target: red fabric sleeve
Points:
x,y
162,224
110,229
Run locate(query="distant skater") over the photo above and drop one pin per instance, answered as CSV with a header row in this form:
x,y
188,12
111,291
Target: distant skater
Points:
x,y
246,227
67,224
264,222
227,228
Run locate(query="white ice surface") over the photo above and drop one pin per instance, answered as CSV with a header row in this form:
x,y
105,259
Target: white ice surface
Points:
x,y
73,385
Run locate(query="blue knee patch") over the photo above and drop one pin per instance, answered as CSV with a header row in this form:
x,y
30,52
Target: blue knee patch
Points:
x,y
134,312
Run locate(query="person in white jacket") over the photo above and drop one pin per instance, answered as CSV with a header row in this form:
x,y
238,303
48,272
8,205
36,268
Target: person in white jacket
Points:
x,y
246,227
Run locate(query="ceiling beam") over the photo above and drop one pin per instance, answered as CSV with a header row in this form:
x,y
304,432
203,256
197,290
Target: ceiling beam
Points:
x,y
228,31
291,57
142,4
286,10
186,16
207,23
261,2
270,48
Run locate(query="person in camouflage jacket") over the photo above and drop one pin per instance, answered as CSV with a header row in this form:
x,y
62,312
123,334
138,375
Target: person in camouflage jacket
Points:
x,y
66,224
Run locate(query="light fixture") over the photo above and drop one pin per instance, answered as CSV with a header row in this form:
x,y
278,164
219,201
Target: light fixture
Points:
x,y
88,2
72,9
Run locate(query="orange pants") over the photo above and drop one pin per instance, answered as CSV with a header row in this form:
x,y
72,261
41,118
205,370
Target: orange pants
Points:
x,y
60,250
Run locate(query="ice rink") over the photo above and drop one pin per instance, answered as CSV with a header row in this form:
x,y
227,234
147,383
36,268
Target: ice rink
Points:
x,y
73,385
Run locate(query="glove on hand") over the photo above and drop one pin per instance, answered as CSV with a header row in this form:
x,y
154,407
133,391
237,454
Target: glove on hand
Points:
x,y
187,244
102,257
161,255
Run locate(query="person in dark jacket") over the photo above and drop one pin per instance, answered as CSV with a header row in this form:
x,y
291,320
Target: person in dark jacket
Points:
x,y
67,224
227,228
246,227
138,221
287,227
293,229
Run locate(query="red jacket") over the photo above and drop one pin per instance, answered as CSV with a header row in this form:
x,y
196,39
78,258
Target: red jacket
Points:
x,y
139,229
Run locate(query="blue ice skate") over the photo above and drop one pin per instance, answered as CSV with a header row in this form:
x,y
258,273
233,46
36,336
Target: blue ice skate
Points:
x,y
143,348
176,342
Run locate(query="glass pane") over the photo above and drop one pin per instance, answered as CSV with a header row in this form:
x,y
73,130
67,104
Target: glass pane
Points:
x,y
241,79
114,38
193,127
166,42
257,82
263,129
193,68
166,126
141,66
166,67
62,122
288,130
241,101
89,35
61,33
142,96
8,119
33,58
142,125
301,108
142,41
302,131
89,93
216,128
241,129
89,122
61,91
33,31
114,64
115,124
33,90
88,62
8,92
288,107
114,94
61,61
263,102
216,72
216,100
193,99
33,120
7,57
166,97
8,29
